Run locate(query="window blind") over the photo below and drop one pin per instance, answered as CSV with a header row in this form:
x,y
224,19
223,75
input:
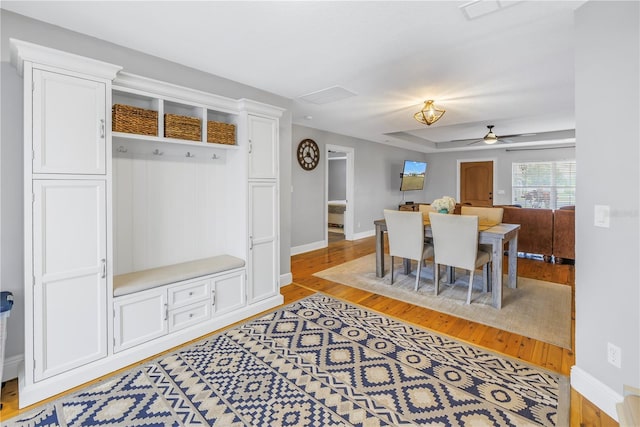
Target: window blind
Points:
x,y
545,185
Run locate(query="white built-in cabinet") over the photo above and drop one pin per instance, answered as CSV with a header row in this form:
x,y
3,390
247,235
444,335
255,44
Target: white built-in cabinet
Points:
x,y
66,333
69,124
99,204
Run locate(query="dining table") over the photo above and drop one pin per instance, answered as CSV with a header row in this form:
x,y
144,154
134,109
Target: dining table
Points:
x,y
494,234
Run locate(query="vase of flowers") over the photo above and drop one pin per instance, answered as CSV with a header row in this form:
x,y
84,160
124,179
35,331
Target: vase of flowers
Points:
x,y
445,204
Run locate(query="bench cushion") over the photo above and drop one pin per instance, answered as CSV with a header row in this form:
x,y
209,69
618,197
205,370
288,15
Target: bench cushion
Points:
x,y
137,281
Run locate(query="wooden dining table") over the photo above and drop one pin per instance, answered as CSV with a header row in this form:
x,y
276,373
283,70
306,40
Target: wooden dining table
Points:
x,y
494,234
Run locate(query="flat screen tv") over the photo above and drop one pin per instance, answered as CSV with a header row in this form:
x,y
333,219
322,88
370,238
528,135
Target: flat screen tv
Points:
x,y
413,175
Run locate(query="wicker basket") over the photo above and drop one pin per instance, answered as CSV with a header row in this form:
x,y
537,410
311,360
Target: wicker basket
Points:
x,y
134,120
221,133
182,127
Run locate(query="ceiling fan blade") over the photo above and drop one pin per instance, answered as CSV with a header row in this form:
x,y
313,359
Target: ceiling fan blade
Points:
x,y
474,142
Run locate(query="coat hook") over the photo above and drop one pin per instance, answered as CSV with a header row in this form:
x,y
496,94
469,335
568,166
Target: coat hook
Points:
x,y
189,154
214,157
158,152
121,149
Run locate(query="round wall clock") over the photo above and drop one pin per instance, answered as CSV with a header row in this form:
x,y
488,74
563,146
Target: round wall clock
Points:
x,y
308,154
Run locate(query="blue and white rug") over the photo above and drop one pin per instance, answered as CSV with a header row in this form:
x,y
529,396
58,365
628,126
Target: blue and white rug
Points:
x,y
319,362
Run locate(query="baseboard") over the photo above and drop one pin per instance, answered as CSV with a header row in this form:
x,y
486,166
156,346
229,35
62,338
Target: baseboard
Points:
x,y
10,367
594,391
363,234
295,250
286,279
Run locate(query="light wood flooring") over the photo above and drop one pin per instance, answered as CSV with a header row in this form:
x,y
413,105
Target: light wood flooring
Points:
x,y
303,266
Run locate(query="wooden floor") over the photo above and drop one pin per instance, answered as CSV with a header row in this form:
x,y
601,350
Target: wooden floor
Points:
x,y
303,266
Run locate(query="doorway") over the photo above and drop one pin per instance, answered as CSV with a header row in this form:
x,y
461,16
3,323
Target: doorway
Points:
x,y
338,192
476,182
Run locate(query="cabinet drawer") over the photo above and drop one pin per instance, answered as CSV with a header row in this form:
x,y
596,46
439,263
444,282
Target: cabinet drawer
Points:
x,y
190,315
188,293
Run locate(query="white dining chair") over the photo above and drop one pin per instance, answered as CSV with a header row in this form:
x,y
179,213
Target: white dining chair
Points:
x,y
406,238
455,244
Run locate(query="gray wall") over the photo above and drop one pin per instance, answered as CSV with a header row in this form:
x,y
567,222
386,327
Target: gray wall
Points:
x,y
443,167
11,170
607,126
377,171
337,179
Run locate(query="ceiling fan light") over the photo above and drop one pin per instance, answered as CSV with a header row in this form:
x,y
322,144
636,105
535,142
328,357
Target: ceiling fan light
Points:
x,y
490,138
429,114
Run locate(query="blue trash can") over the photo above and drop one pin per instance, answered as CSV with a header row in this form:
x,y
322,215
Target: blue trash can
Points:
x,y
6,302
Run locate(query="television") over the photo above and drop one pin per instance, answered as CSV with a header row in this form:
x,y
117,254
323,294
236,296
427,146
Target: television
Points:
x,y
413,175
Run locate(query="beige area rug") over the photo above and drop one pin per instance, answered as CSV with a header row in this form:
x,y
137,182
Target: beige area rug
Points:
x,y
536,309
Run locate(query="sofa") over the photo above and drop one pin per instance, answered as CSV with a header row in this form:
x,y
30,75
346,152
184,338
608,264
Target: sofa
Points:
x,y
550,233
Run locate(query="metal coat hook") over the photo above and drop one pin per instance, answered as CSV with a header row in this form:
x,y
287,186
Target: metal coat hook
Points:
x,y
214,157
121,149
158,152
189,154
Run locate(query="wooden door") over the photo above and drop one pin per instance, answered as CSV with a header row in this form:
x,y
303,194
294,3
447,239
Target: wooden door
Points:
x,y
476,183
69,274
69,124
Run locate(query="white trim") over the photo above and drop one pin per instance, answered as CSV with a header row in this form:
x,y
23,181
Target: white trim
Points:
x,y
295,250
596,392
10,368
349,212
495,174
22,51
364,234
286,279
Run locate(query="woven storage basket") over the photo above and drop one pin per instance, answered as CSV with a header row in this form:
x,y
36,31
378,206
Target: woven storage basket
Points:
x,y
134,120
221,133
182,127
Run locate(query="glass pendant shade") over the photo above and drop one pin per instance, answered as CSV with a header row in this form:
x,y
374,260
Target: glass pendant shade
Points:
x,y
429,114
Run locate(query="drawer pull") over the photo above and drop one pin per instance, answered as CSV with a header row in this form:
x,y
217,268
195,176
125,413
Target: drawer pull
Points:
x,y
190,293
190,315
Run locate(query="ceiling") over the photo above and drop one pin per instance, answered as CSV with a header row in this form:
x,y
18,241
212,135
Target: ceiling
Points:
x,y
502,63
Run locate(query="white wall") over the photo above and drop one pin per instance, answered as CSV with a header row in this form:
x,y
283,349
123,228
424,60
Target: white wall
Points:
x,y
607,127
11,172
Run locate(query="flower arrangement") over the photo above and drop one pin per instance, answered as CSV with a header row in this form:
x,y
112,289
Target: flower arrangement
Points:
x,y
445,204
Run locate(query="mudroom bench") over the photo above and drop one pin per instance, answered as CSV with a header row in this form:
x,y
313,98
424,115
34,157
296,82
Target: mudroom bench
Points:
x,y
157,302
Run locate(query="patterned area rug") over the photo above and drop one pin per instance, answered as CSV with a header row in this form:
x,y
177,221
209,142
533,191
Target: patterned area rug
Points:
x,y
536,309
319,362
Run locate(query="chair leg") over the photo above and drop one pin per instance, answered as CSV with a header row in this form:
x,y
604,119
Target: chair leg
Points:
x,y
418,274
485,278
470,287
436,278
392,269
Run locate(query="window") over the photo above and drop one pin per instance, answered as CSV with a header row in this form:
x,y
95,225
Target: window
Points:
x,y
549,185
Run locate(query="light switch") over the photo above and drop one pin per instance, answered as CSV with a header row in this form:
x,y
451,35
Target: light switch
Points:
x,y
601,216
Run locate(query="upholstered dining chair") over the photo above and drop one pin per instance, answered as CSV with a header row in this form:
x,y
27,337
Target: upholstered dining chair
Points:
x,y
485,216
455,244
406,238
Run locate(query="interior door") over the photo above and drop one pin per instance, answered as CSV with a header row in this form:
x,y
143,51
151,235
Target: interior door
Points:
x,y
476,183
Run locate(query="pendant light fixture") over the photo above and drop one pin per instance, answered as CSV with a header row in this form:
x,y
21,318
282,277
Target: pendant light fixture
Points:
x,y
429,113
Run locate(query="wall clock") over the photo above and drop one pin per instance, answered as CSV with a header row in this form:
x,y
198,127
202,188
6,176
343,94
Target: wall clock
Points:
x,y
308,154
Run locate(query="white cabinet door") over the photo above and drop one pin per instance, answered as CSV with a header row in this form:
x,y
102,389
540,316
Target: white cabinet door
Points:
x,y
69,271
228,293
263,240
69,124
139,317
263,147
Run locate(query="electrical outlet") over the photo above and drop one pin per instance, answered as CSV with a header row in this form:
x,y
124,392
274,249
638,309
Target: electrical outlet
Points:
x,y
614,355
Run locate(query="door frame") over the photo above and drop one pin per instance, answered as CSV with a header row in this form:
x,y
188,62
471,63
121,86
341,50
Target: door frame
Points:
x,y
348,214
495,174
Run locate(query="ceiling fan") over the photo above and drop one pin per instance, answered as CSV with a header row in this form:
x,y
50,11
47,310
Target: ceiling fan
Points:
x,y
492,138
